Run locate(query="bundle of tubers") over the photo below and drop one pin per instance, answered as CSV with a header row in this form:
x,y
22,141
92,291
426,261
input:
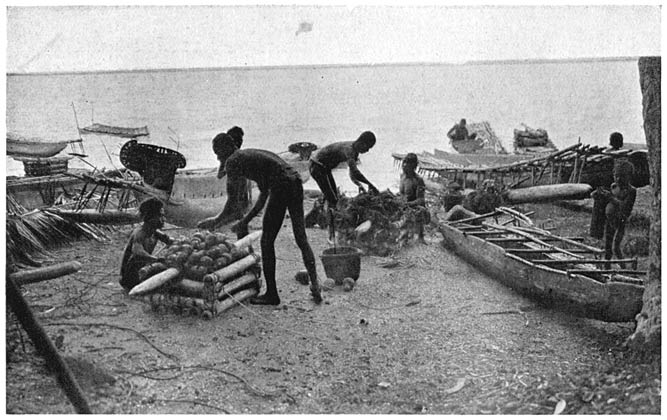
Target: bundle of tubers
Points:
x,y
200,272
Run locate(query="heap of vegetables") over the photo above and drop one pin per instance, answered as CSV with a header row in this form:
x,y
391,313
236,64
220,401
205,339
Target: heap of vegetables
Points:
x,y
391,221
198,273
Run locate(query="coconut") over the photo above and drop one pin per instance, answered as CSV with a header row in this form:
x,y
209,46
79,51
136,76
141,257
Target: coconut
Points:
x,y
302,277
328,284
348,284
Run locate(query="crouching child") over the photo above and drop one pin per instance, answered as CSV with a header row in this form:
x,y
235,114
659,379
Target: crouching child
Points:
x,y
139,249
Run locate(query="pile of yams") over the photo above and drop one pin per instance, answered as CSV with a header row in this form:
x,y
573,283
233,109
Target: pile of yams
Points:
x,y
204,275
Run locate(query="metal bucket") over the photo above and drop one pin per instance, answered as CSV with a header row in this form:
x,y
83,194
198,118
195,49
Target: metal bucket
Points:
x,y
342,262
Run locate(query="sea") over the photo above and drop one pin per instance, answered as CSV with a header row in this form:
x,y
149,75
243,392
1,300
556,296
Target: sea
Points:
x,y
409,107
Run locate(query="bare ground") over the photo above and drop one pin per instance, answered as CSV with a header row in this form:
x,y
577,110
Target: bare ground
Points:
x,y
430,335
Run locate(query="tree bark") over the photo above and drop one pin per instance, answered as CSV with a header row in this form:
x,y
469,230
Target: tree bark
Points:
x,y
647,333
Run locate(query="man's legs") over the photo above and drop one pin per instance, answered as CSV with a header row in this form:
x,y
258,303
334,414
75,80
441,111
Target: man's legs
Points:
x,y
609,232
299,230
271,224
326,183
618,239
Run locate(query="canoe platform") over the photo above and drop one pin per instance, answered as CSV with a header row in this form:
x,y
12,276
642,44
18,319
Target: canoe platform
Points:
x,y
579,163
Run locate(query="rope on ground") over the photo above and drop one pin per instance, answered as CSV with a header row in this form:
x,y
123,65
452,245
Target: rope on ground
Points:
x,y
194,402
386,308
102,324
516,311
199,367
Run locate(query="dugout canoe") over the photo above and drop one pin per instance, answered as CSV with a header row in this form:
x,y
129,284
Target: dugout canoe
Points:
x,y
559,272
112,130
34,147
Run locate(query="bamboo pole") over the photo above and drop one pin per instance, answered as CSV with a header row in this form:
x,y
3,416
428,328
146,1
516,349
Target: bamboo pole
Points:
x,y
594,261
565,240
239,283
46,348
472,219
233,269
574,238
543,251
231,301
520,232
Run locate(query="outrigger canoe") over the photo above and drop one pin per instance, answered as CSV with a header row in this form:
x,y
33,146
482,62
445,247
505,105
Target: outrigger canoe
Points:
x,y
559,272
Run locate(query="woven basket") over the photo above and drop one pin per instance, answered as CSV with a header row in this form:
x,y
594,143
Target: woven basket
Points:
x,y
156,164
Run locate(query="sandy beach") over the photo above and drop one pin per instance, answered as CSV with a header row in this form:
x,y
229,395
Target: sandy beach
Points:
x,y
429,335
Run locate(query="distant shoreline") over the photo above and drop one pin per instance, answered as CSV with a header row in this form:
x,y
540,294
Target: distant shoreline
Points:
x,y
278,67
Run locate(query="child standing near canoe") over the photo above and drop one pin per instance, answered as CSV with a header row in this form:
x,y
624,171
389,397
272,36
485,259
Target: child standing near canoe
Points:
x,y
280,189
412,189
139,249
620,201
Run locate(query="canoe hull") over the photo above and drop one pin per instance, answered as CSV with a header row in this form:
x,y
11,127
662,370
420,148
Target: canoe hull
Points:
x,y
199,194
575,294
34,148
124,132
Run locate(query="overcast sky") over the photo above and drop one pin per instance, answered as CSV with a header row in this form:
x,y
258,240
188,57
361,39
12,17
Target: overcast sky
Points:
x,y
89,38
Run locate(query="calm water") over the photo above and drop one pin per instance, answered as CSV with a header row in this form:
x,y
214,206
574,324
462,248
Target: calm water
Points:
x,y
409,108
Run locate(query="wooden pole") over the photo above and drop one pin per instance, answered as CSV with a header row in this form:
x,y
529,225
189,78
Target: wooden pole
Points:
x,y
635,272
594,261
45,347
45,273
239,283
231,301
565,240
544,251
531,237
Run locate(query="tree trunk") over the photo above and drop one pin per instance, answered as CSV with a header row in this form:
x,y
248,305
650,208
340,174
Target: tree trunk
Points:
x,y
647,333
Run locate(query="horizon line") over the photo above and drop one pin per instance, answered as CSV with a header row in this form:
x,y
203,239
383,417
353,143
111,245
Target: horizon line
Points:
x,y
286,66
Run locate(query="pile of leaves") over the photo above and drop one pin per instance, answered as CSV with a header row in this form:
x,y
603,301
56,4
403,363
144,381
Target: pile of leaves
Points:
x,y
392,222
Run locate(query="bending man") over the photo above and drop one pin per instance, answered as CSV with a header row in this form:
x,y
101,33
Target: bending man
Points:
x,y
280,189
332,155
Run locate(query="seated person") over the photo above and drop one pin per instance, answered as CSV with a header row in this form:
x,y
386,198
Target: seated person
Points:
x,y
412,189
460,132
142,242
616,141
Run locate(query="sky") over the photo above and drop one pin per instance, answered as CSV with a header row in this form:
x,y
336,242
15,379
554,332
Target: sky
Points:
x,y
133,37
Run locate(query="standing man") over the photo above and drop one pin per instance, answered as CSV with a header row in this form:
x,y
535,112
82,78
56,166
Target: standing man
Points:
x,y
620,201
281,185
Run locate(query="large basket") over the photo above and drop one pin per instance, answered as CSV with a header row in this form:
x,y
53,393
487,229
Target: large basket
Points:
x,y
156,164
342,262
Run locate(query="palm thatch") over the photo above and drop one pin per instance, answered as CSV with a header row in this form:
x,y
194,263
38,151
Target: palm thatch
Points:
x,y
30,235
